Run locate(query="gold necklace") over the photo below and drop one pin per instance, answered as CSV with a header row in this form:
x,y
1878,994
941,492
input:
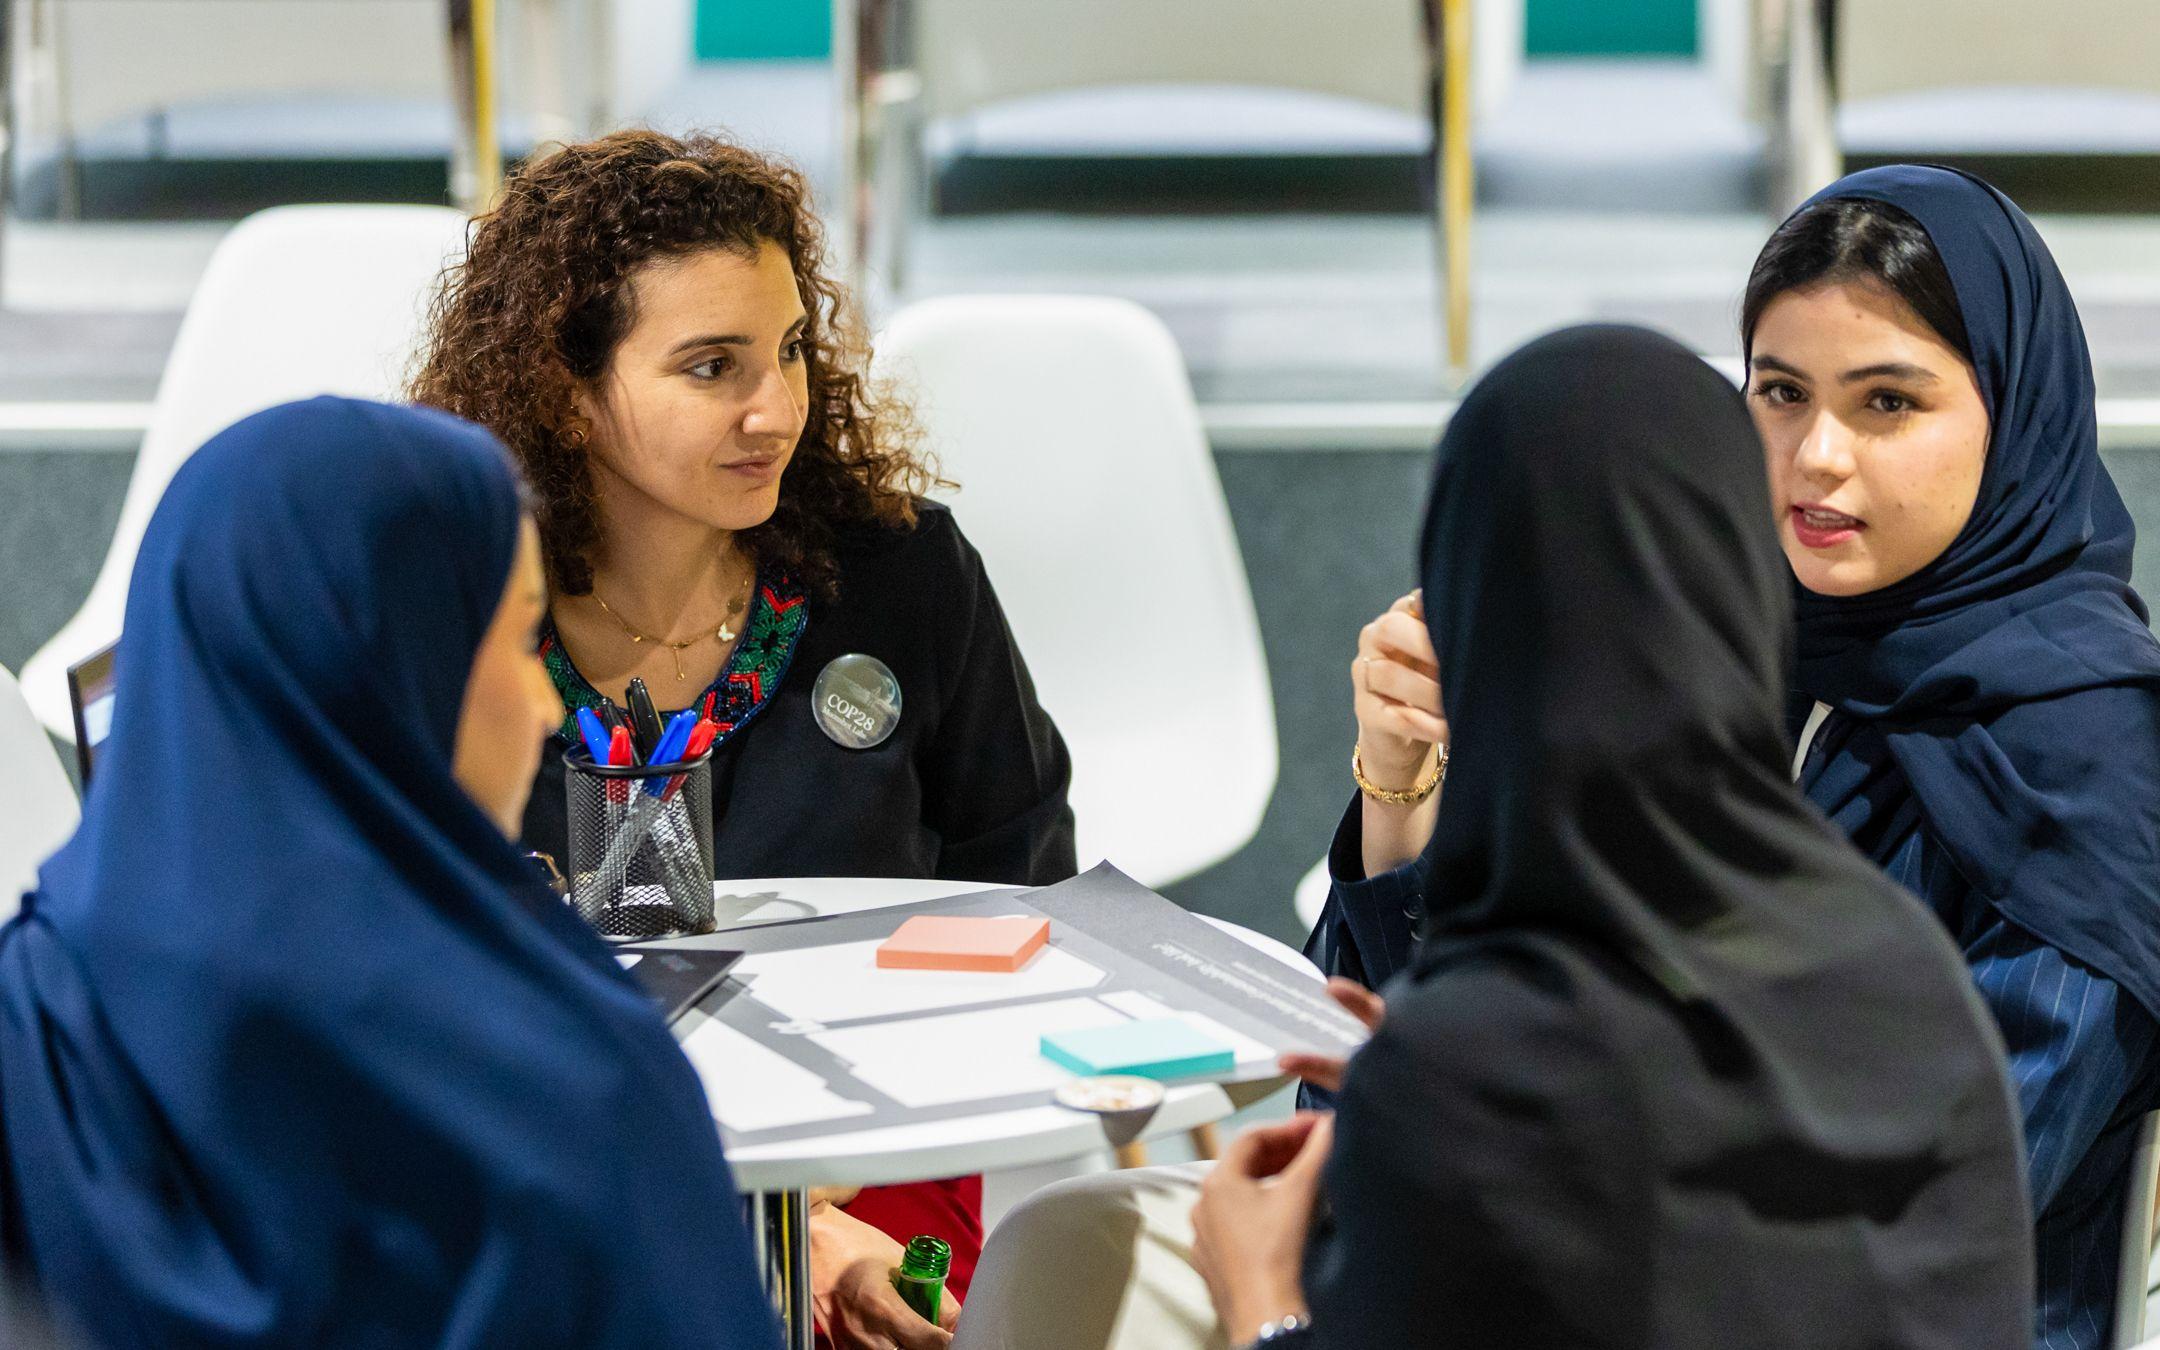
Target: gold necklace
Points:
x,y
724,634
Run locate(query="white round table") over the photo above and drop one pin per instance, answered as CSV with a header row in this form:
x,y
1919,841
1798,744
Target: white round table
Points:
x,y
777,1177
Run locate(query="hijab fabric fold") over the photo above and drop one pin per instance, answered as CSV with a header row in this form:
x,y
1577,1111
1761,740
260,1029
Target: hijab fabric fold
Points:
x,y
293,1051
2010,688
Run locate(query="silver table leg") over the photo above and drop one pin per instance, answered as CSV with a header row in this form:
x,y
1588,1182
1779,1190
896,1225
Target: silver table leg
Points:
x,y
780,1236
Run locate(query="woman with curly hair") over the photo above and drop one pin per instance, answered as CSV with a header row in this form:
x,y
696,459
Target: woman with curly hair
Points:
x,y
726,510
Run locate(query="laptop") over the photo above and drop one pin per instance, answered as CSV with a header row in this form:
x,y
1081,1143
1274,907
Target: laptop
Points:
x,y
90,694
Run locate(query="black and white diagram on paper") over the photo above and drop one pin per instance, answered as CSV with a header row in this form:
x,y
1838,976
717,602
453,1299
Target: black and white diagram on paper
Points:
x,y
808,1036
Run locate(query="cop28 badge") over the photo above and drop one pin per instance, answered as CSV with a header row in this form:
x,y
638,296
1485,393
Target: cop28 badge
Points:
x,y
857,702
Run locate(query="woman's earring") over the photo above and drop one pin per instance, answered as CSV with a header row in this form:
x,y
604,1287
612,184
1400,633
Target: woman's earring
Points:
x,y
576,437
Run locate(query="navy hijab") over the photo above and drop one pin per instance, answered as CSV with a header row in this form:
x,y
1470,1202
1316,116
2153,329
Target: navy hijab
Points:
x,y
2010,689
292,1050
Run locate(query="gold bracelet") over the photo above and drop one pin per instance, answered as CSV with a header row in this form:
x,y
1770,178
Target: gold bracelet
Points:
x,y
1392,796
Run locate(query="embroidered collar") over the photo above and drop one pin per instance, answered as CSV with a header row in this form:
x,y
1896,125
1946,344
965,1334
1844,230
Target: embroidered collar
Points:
x,y
779,613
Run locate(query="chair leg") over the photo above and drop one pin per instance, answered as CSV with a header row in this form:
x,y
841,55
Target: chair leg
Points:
x,y
1132,1155
1206,1142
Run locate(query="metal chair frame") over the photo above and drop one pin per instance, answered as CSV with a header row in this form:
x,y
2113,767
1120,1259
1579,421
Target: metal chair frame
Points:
x,y
883,180
470,32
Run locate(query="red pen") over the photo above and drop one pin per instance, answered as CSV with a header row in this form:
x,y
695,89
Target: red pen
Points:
x,y
621,754
701,739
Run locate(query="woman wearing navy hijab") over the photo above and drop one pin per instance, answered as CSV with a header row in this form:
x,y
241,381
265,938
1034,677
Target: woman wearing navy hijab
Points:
x,y
1977,692
293,1052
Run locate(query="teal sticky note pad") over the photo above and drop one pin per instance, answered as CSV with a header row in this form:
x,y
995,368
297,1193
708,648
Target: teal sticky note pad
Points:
x,y
1162,1047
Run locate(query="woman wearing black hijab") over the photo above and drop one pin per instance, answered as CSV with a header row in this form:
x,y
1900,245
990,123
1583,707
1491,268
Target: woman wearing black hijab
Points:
x,y
1672,1065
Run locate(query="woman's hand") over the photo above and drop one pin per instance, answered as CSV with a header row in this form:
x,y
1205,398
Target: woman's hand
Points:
x,y
1396,677
851,1269
1250,1224
1396,680
1326,1071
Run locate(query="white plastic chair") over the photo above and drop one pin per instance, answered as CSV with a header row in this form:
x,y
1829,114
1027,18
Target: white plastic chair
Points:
x,y
297,301
37,802
2134,1267
1088,485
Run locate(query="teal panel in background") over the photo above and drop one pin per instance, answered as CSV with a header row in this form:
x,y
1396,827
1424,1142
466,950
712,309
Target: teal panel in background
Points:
x,y
740,30
1609,27
771,30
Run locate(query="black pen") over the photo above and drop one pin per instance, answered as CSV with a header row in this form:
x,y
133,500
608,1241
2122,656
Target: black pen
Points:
x,y
609,716
644,719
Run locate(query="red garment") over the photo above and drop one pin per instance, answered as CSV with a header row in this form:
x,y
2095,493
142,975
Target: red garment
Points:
x,y
949,1209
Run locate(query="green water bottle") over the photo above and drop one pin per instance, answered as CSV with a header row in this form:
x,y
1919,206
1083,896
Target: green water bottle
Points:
x,y
921,1276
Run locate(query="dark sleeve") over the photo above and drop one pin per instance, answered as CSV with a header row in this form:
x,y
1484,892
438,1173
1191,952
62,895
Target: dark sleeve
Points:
x,y
996,772
1369,925
1480,1190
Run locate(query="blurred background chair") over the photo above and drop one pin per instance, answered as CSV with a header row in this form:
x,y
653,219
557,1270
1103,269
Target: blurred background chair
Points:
x,y
2069,76
1087,484
126,65
37,802
135,79
914,68
297,301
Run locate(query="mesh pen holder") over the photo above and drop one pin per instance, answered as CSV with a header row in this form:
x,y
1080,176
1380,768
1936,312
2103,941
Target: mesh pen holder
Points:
x,y
641,850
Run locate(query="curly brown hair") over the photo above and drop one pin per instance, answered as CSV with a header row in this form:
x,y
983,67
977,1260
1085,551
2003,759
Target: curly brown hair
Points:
x,y
543,297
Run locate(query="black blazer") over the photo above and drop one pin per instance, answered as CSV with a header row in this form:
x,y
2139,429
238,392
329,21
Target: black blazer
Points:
x,y
970,787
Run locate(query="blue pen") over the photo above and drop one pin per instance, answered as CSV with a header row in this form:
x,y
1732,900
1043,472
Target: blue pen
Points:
x,y
672,743
596,735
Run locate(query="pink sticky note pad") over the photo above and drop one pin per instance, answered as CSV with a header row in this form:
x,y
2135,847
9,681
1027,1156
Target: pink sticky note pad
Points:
x,y
945,942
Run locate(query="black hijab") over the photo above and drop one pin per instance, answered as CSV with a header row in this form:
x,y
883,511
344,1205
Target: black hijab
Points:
x,y
2010,687
1674,1065
1605,590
